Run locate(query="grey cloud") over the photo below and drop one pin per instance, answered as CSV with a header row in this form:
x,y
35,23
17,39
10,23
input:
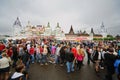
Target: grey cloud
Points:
x,y
82,14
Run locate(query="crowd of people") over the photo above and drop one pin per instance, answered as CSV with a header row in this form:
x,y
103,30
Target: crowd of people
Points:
x,y
19,54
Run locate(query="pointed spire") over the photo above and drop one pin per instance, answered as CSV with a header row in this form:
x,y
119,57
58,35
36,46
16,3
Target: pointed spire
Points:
x,y
92,30
71,30
28,25
48,25
102,25
58,25
17,22
28,22
17,18
103,29
84,32
80,32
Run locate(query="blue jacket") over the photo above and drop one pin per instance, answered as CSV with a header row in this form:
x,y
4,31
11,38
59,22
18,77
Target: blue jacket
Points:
x,y
118,52
116,64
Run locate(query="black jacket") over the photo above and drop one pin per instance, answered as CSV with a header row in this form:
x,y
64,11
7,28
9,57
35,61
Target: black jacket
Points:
x,y
96,54
109,62
69,56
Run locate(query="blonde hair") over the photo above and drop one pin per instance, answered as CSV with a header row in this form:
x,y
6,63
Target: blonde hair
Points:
x,y
45,46
4,54
80,52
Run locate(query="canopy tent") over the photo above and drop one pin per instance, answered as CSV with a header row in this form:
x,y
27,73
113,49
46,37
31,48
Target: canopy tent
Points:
x,y
82,38
17,37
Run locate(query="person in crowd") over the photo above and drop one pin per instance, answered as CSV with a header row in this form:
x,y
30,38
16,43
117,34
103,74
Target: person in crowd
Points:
x,y
69,57
117,67
79,56
2,47
74,50
53,50
4,66
15,55
57,54
118,50
89,52
97,58
18,74
9,52
28,46
38,55
20,50
26,59
102,61
109,62
45,52
62,55
114,52
83,50
41,53
32,52
21,62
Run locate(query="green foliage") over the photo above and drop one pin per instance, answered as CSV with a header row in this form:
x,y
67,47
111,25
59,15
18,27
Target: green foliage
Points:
x,y
110,36
107,38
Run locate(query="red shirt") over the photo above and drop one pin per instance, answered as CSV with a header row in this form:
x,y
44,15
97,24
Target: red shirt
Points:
x,y
74,51
9,52
2,46
32,51
41,50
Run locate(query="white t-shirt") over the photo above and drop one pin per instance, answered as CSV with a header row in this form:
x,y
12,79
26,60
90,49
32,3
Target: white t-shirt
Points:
x,y
37,51
4,63
45,51
58,51
99,55
28,47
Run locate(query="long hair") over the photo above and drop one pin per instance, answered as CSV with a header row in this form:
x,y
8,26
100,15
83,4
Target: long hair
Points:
x,y
80,51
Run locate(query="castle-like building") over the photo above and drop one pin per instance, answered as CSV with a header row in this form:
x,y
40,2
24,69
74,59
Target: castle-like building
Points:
x,y
82,35
46,32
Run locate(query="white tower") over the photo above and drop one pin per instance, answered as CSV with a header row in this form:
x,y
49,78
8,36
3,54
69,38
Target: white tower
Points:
x,y
48,30
103,30
58,31
59,34
17,27
91,34
28,29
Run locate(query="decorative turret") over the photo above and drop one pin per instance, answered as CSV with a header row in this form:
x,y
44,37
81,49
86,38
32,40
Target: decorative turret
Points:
x,y
92,31
80,32
58,25
71,30
17,23
102,26
17,27
48,25
48,30
103,30
28,25
84,32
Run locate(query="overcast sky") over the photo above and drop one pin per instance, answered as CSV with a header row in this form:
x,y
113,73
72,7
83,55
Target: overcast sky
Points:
x,y
82,14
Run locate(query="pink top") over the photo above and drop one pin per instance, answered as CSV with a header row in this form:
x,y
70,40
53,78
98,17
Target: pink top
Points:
x,y
79,57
